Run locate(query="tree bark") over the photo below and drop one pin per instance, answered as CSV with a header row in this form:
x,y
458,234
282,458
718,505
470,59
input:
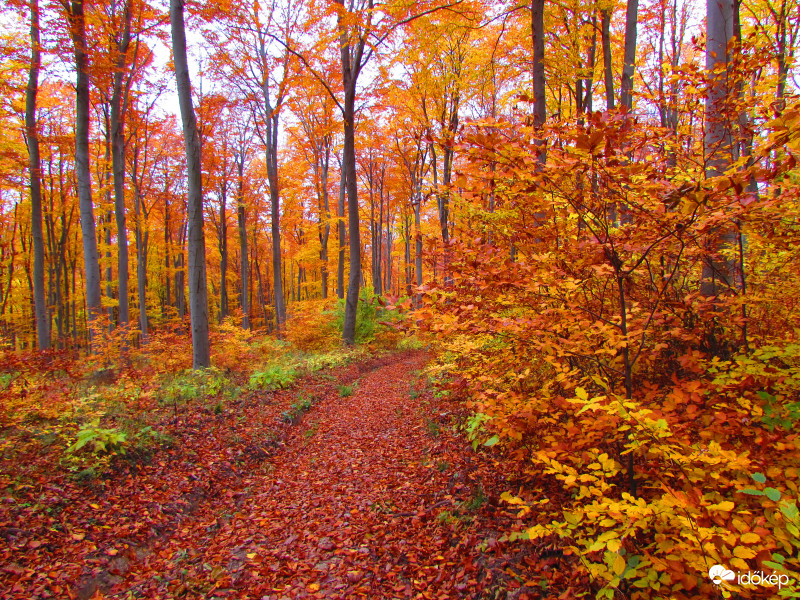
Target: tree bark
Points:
x,y
718,273
82,171
608,72
537,35
198,292
244,267
141,249
31,129
342,231
118,109
351,67
629,64
223,253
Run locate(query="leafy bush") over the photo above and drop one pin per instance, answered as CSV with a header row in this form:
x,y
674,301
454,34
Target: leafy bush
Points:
x,y
410,342
597,361
335,358
346,390
367,315
100,440
311,325
196,384
274,377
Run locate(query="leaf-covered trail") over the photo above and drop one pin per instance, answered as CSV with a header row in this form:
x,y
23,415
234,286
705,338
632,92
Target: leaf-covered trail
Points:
x,y
350,509
367,496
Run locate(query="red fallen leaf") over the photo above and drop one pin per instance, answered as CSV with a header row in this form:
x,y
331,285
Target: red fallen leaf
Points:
x,y
354,576
34,544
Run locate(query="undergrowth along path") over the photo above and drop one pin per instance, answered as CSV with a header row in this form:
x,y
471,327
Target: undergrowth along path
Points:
x,y
370,495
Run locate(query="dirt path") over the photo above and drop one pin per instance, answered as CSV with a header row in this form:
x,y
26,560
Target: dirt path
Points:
x,y
366,496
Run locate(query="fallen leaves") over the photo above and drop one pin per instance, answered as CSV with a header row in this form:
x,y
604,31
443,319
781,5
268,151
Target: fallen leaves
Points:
x,y
353,511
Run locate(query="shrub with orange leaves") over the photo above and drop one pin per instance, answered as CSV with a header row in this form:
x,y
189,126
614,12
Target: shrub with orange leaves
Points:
x,y
311,325
573,325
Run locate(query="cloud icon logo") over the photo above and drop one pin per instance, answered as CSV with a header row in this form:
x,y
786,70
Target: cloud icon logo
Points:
x,y
718,574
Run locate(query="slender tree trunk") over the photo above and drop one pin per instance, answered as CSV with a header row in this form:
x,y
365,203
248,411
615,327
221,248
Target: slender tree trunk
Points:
x,y
349,163
629,65
31,129
118,164
141,251
223,256
589,82
244,266
83,173
539,92
608,72
342,236
418,249
198,292
718,273
280,305
351,67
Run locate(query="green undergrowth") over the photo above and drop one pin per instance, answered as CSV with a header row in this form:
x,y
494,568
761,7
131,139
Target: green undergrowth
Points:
x,y
87,413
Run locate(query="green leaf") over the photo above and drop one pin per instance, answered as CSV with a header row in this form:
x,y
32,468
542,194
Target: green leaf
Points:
x,y
772,494
790,510
759,477
752,492
491,441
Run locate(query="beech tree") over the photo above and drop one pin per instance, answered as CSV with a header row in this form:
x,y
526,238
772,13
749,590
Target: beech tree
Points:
x,y
198,292
718,142
77,26
32,131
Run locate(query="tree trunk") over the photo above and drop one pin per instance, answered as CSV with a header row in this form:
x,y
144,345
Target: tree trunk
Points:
x,y
280,305
223,255
629,65
82,171
349,164
718,273
342,231
141,251
608,73
244,267
198,292
118,109
539,92
31,129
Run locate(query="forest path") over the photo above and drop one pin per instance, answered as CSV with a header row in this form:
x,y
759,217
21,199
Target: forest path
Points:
x,y
369,496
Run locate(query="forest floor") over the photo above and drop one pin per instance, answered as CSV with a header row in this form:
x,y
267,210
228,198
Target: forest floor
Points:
x,y
371,495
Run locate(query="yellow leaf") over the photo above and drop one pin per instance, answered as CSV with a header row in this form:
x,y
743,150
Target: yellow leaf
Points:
x,y
313,587
614,545
95,506
739,564
743,552
750,538
619,565
251,555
